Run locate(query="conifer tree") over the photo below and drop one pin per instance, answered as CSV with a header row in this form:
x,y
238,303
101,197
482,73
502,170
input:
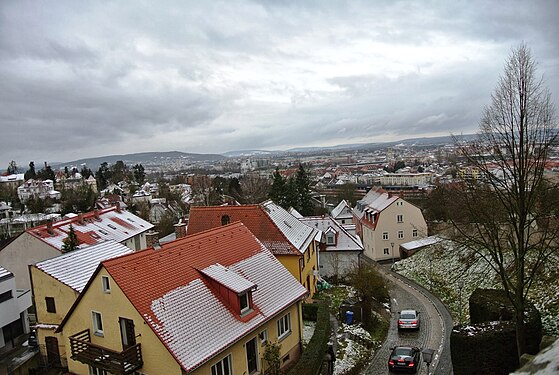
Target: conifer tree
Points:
x,y
71,242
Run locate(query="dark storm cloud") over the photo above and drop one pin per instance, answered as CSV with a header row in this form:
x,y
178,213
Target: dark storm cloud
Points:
x,y
90,79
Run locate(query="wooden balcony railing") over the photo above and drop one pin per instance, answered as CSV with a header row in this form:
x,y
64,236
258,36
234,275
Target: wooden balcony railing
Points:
x,y
114,362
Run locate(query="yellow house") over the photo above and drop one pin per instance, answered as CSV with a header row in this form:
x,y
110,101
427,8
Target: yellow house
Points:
x,y
203,304
293,243
56,284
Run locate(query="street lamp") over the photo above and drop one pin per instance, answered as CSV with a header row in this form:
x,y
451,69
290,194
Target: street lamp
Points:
x,y
460,286
392,245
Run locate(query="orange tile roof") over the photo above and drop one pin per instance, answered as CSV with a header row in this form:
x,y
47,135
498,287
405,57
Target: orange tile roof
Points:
x,y
253,216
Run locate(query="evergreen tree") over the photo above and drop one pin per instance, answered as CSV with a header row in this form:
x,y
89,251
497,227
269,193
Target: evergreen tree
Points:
x,y
12,168
86,172
30,174
139,174
103,176
46,174
305,205
291,198
71,242
278,190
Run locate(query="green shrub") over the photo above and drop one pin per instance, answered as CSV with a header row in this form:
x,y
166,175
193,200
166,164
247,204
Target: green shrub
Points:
x,y
310,311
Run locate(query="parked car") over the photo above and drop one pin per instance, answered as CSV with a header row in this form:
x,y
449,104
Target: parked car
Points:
x,y
404,358
408,319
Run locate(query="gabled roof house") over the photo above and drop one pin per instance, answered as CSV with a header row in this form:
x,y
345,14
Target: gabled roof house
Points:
x,y
45,241
384,221
292,242
202,304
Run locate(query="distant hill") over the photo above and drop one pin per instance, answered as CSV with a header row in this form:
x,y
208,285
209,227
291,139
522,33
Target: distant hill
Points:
x,y
144,158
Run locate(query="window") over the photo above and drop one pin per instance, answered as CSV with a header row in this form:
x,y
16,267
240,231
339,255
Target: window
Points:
x,y
222,367
399,203
263,336
243,302
6,296
400,218
386,251
385,235
97,323
284,326
400,234
106,284
330,239
51,307
414,233
225,220
111,226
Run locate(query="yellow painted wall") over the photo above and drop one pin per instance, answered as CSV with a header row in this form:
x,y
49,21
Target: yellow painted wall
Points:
x,y
291,262
157,360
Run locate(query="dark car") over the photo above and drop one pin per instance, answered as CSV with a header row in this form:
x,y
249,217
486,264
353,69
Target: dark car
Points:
x,y
408,319
404,358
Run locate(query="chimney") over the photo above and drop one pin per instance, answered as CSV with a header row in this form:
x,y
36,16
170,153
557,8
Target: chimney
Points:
x,y
49,227
81,221
96,214
152,237
118,207
180,230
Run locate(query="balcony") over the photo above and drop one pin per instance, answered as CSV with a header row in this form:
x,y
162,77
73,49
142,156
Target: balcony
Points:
x,y
124,362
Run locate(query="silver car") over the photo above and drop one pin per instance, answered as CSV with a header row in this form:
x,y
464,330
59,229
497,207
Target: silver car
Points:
x,y
408,319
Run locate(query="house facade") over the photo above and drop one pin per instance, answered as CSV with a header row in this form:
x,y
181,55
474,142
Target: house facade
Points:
x,y
187,306
56,285
340,251
384,222
45,241
293,243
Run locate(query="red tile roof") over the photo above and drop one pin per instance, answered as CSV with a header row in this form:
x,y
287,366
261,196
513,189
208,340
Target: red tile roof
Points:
x,y
253,216
169,290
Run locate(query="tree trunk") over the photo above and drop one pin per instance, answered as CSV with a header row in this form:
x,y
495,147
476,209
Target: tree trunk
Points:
x,y
520,333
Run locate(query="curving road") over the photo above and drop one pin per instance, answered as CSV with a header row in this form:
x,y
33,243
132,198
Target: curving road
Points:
x,y
434,329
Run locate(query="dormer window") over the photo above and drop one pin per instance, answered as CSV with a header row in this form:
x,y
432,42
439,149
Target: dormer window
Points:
x,y
330,239
225,219
244,303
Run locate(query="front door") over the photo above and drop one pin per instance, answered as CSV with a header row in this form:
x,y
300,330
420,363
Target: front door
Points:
x,y
127,333
252,356
53,355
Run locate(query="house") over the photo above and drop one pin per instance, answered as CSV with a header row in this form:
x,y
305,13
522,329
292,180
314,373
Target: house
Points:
x,y
409,248
13,311
56,284
45,241
12,181
340,251
203,304
342,213
33,189
384,221
292,242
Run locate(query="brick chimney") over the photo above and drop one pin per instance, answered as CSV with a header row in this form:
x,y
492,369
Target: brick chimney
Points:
x,y
118,207
96,214
152,237
180,230
49,227
81,221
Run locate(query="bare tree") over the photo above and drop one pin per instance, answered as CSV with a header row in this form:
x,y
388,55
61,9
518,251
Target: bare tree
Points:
x,y
505,215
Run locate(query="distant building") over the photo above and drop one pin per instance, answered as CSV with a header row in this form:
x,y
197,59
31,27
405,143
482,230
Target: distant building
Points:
x,y
33,189
385,221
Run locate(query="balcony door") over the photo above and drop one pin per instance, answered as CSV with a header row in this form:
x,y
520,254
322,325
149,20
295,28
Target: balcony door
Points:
x,y
53,355
252,356
127,333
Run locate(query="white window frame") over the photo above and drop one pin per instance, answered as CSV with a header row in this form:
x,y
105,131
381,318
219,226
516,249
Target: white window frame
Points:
x,y
105,282
219,368
385,236
414,233
330,239
247,307
263,336
97,324
400,218
284,326
400,234
386,251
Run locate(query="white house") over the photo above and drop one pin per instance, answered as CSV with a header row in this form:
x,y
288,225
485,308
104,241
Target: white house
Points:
x,y
14,303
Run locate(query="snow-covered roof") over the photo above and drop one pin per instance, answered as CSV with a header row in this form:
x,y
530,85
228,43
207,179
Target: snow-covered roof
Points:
x,y
345,241
75,268
177,302
228,278
343,205
4,273
422,242
299,234
12,177
375,201
93,227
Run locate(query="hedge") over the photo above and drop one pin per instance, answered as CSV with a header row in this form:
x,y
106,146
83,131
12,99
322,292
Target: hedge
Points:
x,y
311,360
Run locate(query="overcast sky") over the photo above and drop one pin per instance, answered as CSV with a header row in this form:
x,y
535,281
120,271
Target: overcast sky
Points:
x,y
85,79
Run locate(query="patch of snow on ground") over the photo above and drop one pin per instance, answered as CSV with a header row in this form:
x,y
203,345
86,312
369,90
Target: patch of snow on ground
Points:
x,y
548,360
308,331
349,350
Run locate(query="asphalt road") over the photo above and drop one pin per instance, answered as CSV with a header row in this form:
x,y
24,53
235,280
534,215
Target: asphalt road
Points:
x,y
433,333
